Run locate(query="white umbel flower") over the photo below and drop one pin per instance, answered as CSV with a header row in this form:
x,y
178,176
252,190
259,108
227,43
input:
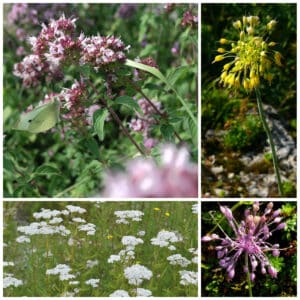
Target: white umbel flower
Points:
x,y
136,274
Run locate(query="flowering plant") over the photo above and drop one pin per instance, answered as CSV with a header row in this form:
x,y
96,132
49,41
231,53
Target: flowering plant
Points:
x,y
253,58
93,95
249,243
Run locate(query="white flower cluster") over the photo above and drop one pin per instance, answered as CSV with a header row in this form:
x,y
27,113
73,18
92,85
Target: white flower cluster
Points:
x,y
76,209
131,241
125,215
188,277
61,270
136,274
93,282
92,263
143,293
8,264
55,220
195,208
89,228
165,238
178,259
22,239
78,220
119,293
195,259
113,258
141,233
43,228
11,281
46,214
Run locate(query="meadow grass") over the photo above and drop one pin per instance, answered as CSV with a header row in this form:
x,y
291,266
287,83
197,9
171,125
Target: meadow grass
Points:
x,y
75,248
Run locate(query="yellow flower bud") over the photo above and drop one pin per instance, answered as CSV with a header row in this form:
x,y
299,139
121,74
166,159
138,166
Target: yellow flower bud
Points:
x,y
230,79
223,41
271,25
221,50
246,84
272,44
254,82
242,35
250,30
218,58
277,58
237,24
237,82
263,53
226,66
167,214
244,20
223,76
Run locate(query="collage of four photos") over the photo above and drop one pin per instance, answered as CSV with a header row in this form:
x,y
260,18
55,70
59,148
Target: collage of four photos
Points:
x,y
150,149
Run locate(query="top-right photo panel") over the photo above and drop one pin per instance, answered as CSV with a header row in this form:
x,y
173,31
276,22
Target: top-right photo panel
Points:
x,y
248,58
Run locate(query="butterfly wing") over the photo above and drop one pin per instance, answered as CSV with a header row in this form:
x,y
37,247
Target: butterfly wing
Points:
x,y
41,118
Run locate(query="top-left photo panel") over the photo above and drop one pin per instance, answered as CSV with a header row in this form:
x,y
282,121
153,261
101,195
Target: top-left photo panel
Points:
x,y
100,100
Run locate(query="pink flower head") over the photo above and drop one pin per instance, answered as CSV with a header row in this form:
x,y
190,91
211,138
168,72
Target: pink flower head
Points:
x,y
250,239
145,178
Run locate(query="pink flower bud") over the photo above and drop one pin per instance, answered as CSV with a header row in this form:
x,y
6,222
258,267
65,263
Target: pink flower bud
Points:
x,y
252,277
276,213
281,226
226,212
231,273
272,271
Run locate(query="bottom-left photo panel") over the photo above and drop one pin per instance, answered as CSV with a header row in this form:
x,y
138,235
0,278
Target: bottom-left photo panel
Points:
x,y
100,249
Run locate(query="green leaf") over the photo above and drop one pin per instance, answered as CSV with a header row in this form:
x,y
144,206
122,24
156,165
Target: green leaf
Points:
x,y
192,129
178,73
46,169
8,164
99,119
92,146
167,131
129,102
153,86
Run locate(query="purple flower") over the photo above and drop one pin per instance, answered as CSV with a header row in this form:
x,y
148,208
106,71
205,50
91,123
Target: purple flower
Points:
x,y
250,241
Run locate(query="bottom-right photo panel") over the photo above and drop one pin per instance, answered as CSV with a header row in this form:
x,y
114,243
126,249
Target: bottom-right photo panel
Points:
x,y
248,248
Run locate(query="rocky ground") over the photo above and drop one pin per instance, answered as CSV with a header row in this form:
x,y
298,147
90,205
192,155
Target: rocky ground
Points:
x,y
251,174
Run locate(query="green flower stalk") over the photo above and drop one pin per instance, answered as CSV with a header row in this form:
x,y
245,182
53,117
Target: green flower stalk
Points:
x,y
252,58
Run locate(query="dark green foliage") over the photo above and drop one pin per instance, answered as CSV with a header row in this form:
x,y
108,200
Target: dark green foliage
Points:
x,y
244,134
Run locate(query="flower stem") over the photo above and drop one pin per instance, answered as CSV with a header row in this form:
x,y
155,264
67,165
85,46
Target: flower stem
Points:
x,y
269,135
117,120
163,115
248,276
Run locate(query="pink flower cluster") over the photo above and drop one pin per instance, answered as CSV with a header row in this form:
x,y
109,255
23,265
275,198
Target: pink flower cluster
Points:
x,y
249,240
100,51
176,176
189,19
57,44
73,99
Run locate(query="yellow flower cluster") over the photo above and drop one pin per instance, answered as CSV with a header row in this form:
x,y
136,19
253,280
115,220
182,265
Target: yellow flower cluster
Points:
x,y
252,55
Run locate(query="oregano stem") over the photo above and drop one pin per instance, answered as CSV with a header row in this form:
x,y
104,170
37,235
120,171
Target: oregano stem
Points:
x,y
117,120
154,107
269,135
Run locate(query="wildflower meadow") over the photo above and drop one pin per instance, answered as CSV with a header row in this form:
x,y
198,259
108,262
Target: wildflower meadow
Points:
x,y
105,249
249,248
100,100
248,100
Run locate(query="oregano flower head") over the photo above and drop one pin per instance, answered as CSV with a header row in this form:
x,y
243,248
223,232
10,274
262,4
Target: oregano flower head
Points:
x,y
249,241
252,54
